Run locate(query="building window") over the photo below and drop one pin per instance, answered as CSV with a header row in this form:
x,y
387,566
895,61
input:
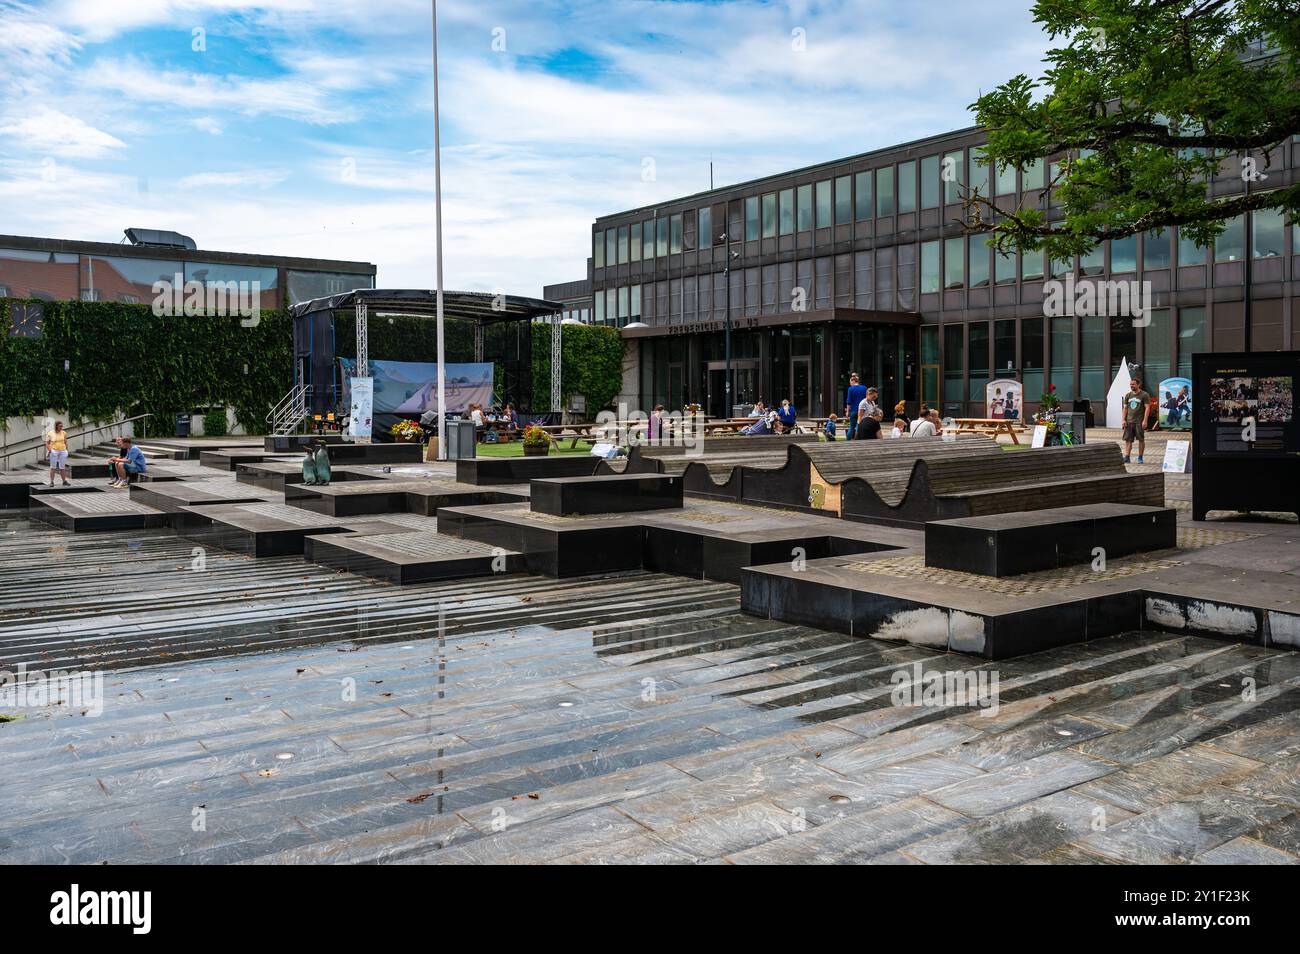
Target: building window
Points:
x,y
634,306
635,253
611,306
1189,253
622,306
1230,246
930,182
907,186
704,220
1155,249
1004,349
787,211
611,247
1031,266
979,173
1061,267
1093,263
979,263
675,234
1092,350
622,244
600,307
862,201
1031,355
977,359
805,208
648,239
844,200
1032,175
1004,267
954,262
929,267
1267,233
1193,338
751,219
952,369
769,215
863,296
1155,350
951,175
885,191
1063,357
661,238
1124,254
824,204
598,250
1005,180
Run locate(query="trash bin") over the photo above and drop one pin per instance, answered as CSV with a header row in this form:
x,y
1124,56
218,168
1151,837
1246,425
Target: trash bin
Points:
x,y
460,440
182,425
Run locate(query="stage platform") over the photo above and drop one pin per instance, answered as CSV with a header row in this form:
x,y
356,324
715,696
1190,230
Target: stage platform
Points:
x,y
352,498
101,509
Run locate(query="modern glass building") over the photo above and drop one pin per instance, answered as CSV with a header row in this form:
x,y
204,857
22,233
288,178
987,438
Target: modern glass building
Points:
x,y
59,269
859,265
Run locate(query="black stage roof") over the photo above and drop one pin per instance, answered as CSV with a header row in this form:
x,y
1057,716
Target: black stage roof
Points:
x,y
481,307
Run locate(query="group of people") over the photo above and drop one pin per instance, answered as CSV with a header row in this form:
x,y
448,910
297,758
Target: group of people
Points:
x,y
866,418
121,467
772,421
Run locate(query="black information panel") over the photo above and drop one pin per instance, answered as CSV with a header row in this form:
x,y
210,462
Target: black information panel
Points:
x,y
1247,447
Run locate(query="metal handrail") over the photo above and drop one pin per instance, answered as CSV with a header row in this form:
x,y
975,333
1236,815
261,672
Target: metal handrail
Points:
x,y
9,450
290,411
282,405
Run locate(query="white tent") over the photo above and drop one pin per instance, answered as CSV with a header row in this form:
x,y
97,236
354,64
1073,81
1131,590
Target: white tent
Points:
x,y
1115,396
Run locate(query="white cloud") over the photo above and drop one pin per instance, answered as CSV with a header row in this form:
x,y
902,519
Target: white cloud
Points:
x,y
55,133
248,179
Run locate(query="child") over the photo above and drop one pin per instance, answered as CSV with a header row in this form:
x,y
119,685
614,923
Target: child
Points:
x,y
830,427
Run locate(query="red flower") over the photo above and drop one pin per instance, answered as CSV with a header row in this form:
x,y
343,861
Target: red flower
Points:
x,y
1051,387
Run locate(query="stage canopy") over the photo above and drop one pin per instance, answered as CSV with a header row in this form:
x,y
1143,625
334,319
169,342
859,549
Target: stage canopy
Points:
x,y
316,383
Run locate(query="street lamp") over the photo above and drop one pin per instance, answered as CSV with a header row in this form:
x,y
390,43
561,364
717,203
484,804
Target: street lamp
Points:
x,y
726,278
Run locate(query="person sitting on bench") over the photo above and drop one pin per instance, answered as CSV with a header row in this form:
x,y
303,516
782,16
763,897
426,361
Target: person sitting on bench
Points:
x,y
130,463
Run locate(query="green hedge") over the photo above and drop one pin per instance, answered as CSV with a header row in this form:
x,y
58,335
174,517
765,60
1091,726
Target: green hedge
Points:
x,y
125,361
122,360
591,364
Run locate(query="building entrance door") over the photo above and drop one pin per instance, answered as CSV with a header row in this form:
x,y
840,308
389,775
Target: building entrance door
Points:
x,y
744,374
801,386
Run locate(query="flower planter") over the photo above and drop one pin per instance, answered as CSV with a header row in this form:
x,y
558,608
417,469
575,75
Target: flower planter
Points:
x,y
536,450
406,439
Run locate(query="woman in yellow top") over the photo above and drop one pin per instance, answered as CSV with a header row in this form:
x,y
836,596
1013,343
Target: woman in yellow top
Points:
x,y
56,442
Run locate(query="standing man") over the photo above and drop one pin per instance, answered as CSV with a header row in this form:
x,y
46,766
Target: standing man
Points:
x,y
1137,407
868,405
851,401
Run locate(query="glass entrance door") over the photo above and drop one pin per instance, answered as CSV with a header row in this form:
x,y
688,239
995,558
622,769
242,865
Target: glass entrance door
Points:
x,y
801,386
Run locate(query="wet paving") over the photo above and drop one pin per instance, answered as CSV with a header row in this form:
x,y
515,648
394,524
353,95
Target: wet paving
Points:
x,y
274,711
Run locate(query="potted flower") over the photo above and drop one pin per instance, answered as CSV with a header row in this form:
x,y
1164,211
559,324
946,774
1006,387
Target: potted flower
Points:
x,y
407,432
537,442
1049,406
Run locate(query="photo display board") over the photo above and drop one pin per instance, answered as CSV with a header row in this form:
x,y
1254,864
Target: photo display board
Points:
x,y
1246,446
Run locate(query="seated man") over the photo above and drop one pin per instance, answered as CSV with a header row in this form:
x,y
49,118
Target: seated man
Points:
x,y
131,462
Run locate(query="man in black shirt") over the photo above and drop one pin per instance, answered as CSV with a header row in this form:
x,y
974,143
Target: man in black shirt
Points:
x,y
869,426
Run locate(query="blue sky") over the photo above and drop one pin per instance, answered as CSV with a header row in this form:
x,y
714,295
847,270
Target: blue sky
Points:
x,y
305,128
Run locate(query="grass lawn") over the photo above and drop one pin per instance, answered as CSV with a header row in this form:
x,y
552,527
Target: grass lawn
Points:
x,y
516,449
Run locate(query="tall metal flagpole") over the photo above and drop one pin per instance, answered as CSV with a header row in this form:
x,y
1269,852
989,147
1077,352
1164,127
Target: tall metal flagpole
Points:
x,y
437,224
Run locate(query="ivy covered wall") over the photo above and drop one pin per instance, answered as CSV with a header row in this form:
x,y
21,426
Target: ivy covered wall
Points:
x,y
122,360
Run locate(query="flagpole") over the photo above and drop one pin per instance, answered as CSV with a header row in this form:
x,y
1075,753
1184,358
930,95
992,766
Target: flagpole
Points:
x,y
437,224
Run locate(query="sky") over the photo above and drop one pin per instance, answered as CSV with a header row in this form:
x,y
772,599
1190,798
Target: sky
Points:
x,y
305,127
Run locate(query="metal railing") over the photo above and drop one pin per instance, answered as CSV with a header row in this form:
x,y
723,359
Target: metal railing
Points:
x,y
290,411
37,443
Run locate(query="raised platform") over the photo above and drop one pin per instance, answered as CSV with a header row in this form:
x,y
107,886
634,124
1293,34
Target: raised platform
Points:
x,y
97,470
230,458
375,453
257,529
410,557
520,470
275,474
1008,544
285,443
608,493
92,512
702,539
353,497
170,497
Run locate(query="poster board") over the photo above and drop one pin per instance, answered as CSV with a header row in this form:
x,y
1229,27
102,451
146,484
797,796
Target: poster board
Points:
x,y
1004,399
1174,397
1175,459
361,407
1246,434
1040,436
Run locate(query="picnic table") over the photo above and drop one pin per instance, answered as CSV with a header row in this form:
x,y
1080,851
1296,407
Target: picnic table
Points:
x,y
992,426
577,432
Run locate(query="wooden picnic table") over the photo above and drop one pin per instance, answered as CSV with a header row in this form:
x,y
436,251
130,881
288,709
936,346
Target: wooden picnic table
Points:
x,y
992,426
